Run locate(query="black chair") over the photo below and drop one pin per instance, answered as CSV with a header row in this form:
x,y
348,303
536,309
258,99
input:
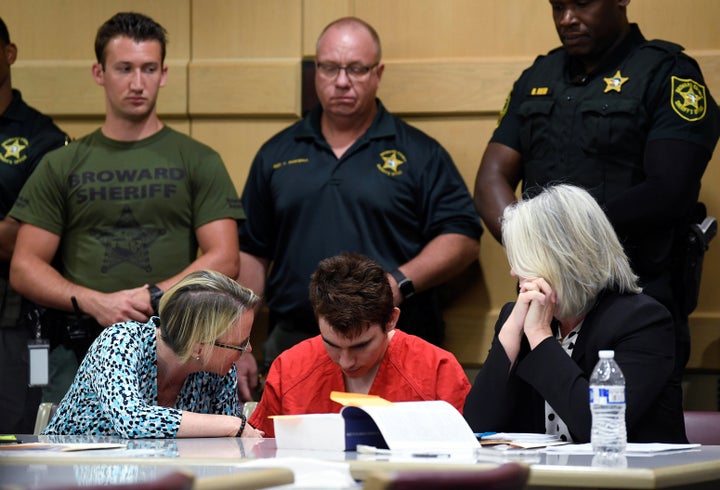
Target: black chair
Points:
x,y
702,427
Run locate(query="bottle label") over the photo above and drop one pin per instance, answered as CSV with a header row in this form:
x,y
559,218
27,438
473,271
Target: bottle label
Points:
x,y
607,395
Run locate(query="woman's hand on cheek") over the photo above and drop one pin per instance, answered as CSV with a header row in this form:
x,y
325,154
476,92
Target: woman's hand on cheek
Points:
x,y
540,312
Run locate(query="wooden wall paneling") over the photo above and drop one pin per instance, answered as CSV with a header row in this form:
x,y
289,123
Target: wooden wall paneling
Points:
x,y
238,29
65,30
244,87
237,140
246,59
66,88
691,23
464,137
470,86
316,15
459,28
60,88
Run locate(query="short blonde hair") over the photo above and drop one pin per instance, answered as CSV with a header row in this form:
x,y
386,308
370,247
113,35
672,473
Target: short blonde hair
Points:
x,y
563,236
200,308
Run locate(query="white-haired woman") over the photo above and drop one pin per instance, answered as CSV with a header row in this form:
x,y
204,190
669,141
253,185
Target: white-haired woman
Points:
x,y
577,295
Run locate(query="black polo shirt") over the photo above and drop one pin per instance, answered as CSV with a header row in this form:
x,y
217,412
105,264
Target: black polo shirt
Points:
x,y
393,191
25,136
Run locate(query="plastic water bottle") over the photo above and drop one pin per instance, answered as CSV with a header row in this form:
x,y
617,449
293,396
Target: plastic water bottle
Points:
x,y
607,404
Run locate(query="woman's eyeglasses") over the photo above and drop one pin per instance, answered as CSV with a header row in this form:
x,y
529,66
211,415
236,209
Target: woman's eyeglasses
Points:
x,y
241,348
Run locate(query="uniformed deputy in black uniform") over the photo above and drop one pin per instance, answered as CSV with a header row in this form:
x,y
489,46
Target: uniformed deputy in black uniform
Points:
x,y
352,177
25,136
629,120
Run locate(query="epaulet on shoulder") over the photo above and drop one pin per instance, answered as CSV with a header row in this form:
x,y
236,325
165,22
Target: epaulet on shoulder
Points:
x,y
666,46
549,53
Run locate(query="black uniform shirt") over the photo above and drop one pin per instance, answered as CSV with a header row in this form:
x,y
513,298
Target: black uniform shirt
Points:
x,y
391,193
607,115
25,136
594,130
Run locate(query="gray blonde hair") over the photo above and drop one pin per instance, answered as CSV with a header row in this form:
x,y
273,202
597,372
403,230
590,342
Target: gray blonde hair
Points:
x,y
200,308
563,236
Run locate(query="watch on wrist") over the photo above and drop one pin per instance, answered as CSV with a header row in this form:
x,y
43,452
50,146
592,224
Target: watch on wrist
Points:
x,y
405,285
155,295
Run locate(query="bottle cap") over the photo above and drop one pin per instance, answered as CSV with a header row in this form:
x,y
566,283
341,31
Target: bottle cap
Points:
x,y
606,354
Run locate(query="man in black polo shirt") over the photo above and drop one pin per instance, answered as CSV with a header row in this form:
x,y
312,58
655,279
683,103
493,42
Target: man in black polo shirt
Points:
x,y
25,136
351,177
631,121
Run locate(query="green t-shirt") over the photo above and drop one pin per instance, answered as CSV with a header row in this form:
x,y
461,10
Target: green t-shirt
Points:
x,y
127,211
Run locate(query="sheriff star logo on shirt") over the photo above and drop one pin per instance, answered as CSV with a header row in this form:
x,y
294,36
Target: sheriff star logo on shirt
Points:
x,y
688,98
127,242
615,82
392,159
14,150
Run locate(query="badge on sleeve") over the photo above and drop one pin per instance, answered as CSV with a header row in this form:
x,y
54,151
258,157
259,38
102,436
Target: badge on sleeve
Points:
x,y
688,98
504,110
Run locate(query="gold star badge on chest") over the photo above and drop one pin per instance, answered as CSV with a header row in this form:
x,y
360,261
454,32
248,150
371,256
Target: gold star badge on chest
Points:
x,y
14,150
615,82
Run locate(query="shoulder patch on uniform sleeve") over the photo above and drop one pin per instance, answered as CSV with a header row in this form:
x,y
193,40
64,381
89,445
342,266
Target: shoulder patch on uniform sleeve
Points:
x,y
687,98
503,111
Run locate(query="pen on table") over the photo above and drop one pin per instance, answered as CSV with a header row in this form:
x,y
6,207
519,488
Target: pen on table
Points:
x,y
430,455
480,435
365,449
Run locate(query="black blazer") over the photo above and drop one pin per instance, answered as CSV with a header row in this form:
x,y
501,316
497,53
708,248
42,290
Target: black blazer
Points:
x,y
640,331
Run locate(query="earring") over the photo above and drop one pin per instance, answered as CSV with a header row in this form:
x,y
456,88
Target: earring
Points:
x,y
197,358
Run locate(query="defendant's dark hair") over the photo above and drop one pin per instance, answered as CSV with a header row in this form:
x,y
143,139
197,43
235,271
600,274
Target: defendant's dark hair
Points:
x,y
351,292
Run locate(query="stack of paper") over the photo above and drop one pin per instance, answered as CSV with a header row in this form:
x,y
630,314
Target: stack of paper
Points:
x,y
375,422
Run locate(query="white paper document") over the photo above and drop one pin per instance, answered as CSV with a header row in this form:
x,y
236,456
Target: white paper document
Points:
x,y
403,426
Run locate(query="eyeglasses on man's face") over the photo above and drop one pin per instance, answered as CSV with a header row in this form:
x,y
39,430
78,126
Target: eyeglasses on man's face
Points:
x,y
355,71
241,348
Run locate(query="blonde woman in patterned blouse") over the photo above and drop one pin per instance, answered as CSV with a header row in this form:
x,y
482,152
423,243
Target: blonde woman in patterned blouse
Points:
x,y
171,377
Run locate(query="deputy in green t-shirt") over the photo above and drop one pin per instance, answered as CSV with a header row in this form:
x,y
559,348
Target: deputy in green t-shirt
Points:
x,y
118,216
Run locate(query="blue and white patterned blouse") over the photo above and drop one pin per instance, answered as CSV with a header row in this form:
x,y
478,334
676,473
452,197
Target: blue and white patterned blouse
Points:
x,y
115,389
